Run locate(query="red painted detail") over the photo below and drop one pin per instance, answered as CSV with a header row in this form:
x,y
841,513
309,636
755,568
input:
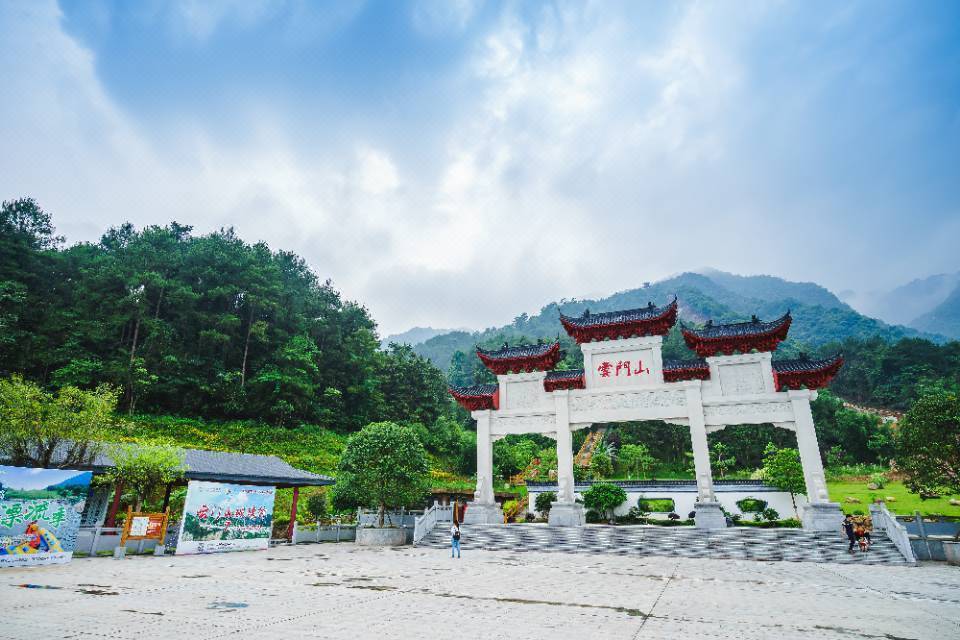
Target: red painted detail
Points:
x,y
655,326
293,513
477,402
817,377
543,362
573,382
728,345
687,373
111,520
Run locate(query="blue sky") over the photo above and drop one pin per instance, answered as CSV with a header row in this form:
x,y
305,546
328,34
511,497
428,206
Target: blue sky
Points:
x,y
454,163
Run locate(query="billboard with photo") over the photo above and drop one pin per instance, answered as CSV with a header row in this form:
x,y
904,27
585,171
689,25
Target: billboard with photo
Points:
x,y
40,513
225,517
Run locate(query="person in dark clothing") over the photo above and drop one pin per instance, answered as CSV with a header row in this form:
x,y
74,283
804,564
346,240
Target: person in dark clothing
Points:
x,y
848,528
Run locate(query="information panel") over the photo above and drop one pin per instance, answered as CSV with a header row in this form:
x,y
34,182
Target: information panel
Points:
x,y
40,513
225,517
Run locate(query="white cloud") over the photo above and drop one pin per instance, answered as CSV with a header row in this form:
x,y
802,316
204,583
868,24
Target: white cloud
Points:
x,y
592,152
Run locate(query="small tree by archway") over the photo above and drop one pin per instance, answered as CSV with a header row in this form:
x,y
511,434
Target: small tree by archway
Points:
x,y
782,468
385,466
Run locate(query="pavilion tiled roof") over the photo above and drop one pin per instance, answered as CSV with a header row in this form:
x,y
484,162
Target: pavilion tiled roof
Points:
x,y
691,369
542,356
477,397
569,379
805,372
712,339
611,325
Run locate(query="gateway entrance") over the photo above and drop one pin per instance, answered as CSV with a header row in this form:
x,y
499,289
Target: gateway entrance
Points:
x,y
733,380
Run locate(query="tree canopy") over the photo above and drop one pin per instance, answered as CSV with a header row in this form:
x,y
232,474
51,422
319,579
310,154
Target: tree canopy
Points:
x,y
928,445
385,466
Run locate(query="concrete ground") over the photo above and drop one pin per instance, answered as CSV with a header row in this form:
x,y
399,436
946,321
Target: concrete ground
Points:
x,y
342,591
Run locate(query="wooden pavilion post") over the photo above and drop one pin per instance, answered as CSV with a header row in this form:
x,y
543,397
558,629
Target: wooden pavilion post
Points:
x,y
111,520
293,513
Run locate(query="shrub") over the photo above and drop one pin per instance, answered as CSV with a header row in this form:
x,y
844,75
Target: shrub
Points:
x,y
604,497
318,506
656,505
878,480
593,516
674,516
770,514
751,505
544,500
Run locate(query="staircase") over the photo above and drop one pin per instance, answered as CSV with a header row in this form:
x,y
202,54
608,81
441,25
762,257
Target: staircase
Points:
x,y
582,459
740,543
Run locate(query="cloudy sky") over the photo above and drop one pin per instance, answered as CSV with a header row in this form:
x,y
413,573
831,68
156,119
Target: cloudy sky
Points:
x,y
457,162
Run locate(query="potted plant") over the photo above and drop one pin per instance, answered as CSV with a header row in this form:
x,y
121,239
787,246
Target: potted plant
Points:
x,y
384,466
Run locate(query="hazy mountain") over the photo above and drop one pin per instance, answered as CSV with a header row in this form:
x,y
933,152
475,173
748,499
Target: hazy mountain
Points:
x,y
904,304
414,336
819,316
944,318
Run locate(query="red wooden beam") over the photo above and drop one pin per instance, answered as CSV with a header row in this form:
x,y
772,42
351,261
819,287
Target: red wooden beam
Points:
x,y
293,512
111,520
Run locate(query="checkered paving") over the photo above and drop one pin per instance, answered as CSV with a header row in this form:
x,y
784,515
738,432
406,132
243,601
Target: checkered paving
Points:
x,y
739,543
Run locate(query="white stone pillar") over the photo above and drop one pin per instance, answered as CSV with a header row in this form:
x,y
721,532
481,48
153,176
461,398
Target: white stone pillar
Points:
x,y
565,512
707,509
820,513
484,508
484,491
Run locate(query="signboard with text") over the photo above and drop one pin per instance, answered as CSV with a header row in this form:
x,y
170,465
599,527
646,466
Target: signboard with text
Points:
x,y
225,517
40,513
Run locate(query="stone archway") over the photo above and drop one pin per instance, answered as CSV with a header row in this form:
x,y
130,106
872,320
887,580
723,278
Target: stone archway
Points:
x,y
625,378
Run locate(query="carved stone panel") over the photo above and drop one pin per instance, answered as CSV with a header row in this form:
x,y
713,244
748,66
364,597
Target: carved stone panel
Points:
x,y
628,400
524,424
525,395
748,413
741,379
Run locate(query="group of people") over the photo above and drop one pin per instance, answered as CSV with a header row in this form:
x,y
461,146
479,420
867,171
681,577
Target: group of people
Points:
x,y
858,530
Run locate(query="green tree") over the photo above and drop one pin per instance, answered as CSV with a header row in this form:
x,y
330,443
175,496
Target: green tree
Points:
x,y
721,459
42,429
383,466
782,469
636,460
604,498
318,505
145,469
601,466
928,445
544,501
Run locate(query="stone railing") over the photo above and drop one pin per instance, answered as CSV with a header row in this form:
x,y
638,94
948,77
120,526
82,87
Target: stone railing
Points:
x,y
885,521
426,523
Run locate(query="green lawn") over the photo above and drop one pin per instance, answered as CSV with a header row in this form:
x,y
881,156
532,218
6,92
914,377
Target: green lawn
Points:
x,y
904,503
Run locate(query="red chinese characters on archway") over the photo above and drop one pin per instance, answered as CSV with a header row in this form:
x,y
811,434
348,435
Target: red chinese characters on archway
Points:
x,y
621,369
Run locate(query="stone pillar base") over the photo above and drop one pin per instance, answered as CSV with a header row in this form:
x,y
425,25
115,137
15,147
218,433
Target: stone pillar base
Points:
x,y
822,516
566,514
709,516
480,513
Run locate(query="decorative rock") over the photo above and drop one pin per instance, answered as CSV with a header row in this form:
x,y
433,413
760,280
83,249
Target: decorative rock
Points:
x,y
890,499
954,502
852,500
873,486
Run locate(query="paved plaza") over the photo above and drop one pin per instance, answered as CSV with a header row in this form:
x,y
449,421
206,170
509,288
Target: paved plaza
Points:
x,y
342,591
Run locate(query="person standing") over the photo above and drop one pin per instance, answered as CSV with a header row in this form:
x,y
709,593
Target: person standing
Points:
x,y
455,540
848,529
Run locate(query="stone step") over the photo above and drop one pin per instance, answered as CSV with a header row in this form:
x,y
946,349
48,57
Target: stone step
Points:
x,y
794,545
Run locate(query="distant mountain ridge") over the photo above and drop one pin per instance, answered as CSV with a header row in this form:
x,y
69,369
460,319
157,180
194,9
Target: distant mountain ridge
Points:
x,y
819,316
944,318
909,302
414,336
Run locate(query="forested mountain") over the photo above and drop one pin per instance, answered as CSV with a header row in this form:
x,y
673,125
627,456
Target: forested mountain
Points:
x,y
819,316
414,336
908,302
204,326
944,318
